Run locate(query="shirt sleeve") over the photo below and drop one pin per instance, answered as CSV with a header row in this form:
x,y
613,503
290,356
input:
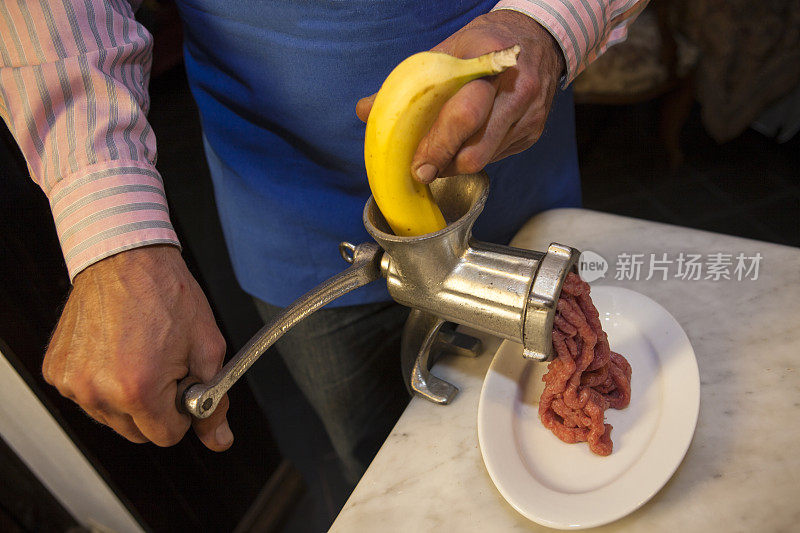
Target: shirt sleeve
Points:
x,y
583,28
73,92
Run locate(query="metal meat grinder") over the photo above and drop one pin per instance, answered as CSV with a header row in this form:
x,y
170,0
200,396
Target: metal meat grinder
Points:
x,y
444,276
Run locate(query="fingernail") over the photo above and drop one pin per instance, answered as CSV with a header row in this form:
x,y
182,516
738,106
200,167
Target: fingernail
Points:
x,y
224,434
426,173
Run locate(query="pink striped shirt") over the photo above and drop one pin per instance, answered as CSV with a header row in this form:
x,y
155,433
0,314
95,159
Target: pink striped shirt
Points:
x,y
73,91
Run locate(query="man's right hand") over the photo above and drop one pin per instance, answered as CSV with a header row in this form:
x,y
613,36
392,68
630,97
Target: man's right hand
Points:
x,y
134,325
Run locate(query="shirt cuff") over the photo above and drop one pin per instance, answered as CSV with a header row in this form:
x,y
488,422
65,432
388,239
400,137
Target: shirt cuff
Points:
x,y
555,23
108,208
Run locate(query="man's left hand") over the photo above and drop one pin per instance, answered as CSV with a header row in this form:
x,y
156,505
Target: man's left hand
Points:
x,y
490,118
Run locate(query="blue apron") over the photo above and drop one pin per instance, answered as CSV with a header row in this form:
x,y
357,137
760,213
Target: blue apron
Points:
x,y
276,83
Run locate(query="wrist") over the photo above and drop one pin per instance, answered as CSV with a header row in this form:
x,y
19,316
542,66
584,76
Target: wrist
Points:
x,y
555,50
148,259
536,34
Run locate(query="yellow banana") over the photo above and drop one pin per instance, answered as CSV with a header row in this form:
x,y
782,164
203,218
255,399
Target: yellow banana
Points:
x,y
404,110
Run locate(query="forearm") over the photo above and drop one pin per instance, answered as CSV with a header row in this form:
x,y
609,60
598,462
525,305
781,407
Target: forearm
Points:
x,y
584,29
73,91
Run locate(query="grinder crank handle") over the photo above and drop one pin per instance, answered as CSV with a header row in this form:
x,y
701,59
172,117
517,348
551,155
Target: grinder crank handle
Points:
x,y
201,399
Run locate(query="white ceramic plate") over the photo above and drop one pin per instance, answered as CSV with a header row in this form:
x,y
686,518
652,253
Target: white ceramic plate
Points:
x,y
566,486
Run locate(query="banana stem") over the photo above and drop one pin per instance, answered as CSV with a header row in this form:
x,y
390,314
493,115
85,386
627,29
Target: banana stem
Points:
x,y
503,59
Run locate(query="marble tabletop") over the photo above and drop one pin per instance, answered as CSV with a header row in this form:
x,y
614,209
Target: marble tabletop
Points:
x,y
742,470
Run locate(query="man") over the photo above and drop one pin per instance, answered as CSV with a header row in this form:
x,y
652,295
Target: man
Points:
x,y
275,82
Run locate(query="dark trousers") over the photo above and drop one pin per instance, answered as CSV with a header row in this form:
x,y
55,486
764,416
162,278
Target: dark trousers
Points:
x,y
346,360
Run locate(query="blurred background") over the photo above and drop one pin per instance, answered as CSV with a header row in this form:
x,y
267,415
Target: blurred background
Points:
x,y
693,121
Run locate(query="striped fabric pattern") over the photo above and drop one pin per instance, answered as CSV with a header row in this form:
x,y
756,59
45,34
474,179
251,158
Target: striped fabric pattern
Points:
x,y
73,92
583,28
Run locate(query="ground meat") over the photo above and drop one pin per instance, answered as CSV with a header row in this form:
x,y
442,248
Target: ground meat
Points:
x,y
586,377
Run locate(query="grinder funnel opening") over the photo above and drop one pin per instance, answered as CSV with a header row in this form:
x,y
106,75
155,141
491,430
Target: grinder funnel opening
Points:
x,y
460,198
